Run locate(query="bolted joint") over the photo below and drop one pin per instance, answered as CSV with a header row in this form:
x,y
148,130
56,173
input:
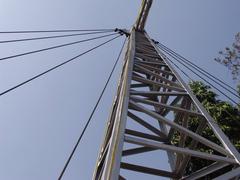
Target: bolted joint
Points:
x,y
155,42
122,32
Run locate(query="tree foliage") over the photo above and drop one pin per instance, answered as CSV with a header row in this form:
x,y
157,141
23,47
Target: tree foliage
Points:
x,y
225,114
230,57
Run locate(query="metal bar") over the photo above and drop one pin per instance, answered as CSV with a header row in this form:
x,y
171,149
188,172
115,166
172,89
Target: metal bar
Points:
x,y
102,156
113,159
98,169
139,150
151,63
148,170
149,58
182,129
180,119
205,171
137,99
146,125
184,118
122,178
146,49
146,71
143,14
149,82
141,50
157,93
144,135
174,102
146,44
137,74
216,129
159,145
138,85
156,69
166,91
156,59
193,145
144,58
229,175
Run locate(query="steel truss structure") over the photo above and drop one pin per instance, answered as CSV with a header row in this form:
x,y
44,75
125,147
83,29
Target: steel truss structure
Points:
x,y
152,95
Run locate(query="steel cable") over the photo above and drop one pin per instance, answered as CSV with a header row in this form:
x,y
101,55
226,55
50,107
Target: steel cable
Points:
x,y
55,67
199,76
52,31
51,37
201,70
54,47
90,117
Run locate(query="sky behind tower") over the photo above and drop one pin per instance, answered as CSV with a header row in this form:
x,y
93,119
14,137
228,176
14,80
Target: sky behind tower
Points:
x,y
40,122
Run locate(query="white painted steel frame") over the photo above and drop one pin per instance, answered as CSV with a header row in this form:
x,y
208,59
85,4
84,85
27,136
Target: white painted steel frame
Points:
x,y
216,129
111,167
131,99
166,92
143,14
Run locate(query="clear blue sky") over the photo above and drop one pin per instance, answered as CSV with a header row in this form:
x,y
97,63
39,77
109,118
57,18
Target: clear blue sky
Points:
x,y
40,122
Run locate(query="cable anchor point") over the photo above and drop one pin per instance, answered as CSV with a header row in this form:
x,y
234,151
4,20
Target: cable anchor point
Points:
x,y
155,42
122,32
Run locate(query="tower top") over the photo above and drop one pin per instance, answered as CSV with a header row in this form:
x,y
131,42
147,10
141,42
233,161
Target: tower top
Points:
x,y
143,14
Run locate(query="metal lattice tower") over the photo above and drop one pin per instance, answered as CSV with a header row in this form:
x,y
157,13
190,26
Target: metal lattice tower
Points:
x,y
151,91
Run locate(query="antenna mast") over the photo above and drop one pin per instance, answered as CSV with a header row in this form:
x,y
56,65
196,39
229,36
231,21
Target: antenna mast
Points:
x,y
151,91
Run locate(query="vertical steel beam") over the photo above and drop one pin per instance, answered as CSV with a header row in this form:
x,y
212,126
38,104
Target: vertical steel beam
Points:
x,y
111,167
143,14
216,129
151,87
158,96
